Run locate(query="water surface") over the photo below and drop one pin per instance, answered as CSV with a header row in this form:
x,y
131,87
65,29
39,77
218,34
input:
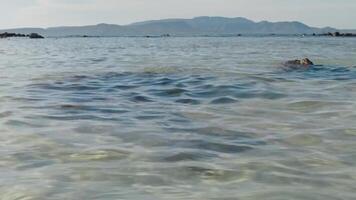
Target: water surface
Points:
x,y
177,118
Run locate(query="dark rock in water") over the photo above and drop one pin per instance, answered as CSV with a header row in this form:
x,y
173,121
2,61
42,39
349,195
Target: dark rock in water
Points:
x,y
8,35
304,63
337,34
32,35
36,36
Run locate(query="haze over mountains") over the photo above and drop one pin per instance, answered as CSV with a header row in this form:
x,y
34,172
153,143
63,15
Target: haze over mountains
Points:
x,y
198,26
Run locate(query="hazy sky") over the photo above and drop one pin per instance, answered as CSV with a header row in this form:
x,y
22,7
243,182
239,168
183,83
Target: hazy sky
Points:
x,y
45,13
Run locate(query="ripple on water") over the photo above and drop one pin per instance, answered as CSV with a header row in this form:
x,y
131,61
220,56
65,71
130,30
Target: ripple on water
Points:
x,y
211,132
206,174
173,92
5,114
171,88
102,155
141,98
303,140
204,145
223,100
188,101
336,73
312,105
299,194
19,193
161,130
188,156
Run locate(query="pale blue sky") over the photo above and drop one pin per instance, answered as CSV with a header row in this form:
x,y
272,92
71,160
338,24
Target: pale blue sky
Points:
x,y
45,13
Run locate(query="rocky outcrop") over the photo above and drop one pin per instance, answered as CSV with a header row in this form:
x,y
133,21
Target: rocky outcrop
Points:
x,y
337,34
7,35
32,35
303,63
35,36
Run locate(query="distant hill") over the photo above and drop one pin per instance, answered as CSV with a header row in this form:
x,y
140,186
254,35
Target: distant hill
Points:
x,y
180,27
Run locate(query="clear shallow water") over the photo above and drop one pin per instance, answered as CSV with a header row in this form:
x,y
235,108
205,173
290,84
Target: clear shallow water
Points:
x,y
177,118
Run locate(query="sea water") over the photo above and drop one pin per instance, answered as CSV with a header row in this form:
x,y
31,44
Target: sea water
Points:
x,y
177,118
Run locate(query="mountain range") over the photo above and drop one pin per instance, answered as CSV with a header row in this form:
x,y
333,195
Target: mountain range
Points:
x,y
199,26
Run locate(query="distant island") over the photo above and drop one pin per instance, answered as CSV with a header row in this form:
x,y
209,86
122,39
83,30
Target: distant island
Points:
x,y
199,26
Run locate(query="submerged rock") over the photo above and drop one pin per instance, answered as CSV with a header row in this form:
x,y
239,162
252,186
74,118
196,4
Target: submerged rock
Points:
x,y
304,63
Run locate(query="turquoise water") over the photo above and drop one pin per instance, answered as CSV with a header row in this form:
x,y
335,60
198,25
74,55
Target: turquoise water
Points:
x,y
177,118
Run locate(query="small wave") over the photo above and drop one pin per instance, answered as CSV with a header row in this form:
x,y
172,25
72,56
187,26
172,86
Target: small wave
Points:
x,y
223,100
160,70
321,72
